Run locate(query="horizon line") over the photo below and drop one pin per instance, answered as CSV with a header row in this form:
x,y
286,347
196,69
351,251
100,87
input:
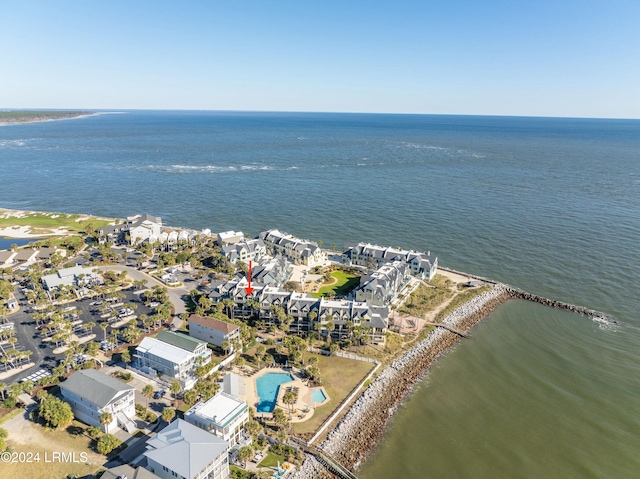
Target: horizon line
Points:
x,y
125,110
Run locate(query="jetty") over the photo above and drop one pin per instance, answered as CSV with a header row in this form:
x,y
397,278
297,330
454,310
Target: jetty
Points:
x,y
450,329
516,293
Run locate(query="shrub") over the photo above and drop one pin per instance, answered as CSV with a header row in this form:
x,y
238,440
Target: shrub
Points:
x,y
94,432
107,443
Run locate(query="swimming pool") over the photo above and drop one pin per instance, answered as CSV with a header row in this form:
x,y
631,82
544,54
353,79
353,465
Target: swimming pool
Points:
x,y
318,396
267,388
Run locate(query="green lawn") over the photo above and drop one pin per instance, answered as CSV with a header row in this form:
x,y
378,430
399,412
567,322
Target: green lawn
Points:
x,y
342,283
340,376
271,460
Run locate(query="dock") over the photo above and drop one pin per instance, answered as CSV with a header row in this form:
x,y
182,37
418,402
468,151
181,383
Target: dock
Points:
x,y
450,329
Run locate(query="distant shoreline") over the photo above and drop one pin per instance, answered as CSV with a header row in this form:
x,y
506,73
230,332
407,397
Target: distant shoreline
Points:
x,y
25,117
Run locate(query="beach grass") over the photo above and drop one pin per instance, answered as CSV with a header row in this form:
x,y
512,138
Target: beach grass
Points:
x,y
341,284
459,300
425,299
339,376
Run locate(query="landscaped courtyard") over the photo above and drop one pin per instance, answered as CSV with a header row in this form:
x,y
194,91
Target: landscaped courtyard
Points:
x,y
340,283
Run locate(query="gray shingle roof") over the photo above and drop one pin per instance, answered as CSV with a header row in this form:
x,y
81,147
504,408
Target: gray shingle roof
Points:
x,y
185,448
95,386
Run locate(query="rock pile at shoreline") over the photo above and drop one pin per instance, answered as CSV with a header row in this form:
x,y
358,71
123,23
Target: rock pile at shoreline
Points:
x,y
364,424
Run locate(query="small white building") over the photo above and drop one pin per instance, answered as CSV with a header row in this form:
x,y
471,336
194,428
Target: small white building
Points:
x,y
223,415
91,393
230,237
184,451
76,275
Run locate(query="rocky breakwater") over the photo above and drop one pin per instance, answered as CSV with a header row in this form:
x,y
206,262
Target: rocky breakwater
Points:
x,y
552,303
364,424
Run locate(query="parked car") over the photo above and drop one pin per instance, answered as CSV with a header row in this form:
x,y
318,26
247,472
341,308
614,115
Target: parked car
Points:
x,y
158,394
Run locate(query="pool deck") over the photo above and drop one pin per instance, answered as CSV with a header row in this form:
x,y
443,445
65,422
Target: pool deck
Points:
x,y
304,406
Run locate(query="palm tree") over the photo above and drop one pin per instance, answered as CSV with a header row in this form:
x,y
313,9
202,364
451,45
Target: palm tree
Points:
x,y
290,398
168,414
175,388
106,418
245,453
147,392
104,327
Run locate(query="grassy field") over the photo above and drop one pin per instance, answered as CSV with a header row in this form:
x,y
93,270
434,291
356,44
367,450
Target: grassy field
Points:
x,y
271,460
55,441
340,376
44,223
341,283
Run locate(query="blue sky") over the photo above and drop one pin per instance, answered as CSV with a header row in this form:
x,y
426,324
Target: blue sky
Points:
x,y
539,58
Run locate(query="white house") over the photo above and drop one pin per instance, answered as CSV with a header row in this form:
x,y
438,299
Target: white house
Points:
x,y
230,237
172,355
184,451
143,227
212,330
223,415
91,393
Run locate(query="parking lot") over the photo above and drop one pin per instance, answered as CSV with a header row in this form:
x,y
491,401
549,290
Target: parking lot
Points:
x,y
31,338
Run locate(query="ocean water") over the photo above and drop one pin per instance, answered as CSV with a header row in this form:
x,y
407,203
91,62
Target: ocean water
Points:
x,y
549,205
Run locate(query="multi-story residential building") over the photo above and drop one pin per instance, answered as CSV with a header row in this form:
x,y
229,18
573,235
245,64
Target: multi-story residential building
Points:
x,y
306,310
245,250
172,356
213,330
296,250
184,451
422,265
382,286
223,415
139,228
91,393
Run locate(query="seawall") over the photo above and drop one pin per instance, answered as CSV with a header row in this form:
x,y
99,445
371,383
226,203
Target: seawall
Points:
x,y
359,431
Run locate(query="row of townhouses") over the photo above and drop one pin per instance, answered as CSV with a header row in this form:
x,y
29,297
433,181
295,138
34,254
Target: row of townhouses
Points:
x,y
296,250
27,256
308,312
422,265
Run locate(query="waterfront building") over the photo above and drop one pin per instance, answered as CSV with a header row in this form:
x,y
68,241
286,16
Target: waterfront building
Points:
x,y
139,228
294,249
381,287
422,265
229,237
91,393
245,250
